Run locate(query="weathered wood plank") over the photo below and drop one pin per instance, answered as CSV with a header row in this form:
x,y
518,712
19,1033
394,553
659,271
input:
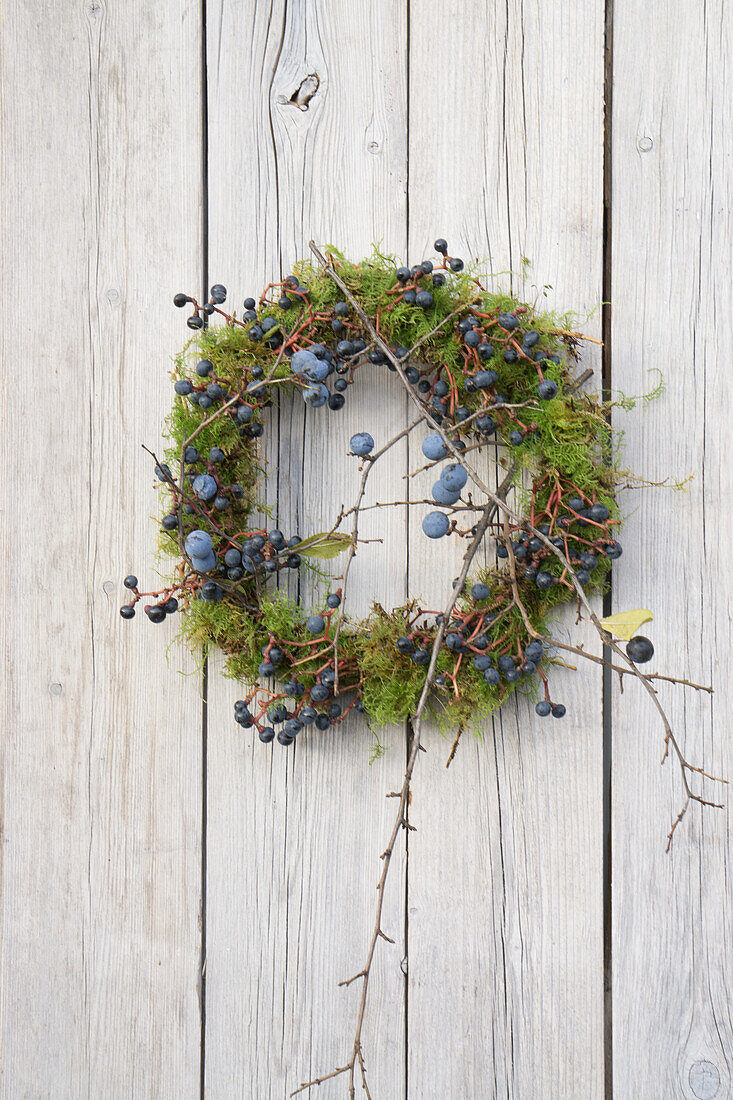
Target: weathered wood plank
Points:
x,y
294,835
505,881
101,779
672,248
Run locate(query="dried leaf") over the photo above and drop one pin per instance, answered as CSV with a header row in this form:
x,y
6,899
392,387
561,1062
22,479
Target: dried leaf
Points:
x,y
627,623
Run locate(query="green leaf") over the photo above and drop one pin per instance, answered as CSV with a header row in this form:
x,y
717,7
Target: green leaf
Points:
x,y
324,545
626,623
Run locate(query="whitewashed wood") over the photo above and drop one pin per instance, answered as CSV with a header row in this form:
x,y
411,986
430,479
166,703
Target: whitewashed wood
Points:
x,y
505,883
101,775
294,836
672,246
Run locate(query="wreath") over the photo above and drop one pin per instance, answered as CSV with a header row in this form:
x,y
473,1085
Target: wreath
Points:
x,y
484,371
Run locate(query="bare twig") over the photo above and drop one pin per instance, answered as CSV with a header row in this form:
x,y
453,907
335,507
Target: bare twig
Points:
x,y
402,796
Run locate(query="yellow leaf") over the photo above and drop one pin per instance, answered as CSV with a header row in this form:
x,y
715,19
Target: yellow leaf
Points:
x,y
626,623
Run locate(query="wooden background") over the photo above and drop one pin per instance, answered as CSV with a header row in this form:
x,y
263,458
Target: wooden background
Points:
x,y
178,902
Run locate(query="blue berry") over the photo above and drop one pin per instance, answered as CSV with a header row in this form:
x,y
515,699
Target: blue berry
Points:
x,y
421,657
544,580
198,544
435,525
315,396
480,591
405,644
315,624
558,711
543,708
267,735
485,424
424,299
204,486
482,379
203,564
639,650
361,444
443,495
302,360
211,592
318,371
491,676
433,447
547,389
454,476
482,662
130,581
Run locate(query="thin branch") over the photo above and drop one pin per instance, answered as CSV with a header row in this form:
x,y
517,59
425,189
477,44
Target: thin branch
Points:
x,y
400,817
669,738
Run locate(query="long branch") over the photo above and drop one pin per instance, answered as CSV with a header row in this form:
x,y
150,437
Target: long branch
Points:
x,y
402,796
669,737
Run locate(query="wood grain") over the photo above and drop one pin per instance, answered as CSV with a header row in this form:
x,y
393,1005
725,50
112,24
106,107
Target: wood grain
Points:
x,y
293,836
505,919
672,247
483,124
101,775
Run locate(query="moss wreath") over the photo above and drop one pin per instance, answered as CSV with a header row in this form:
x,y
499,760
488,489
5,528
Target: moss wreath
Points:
x,y
483,370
